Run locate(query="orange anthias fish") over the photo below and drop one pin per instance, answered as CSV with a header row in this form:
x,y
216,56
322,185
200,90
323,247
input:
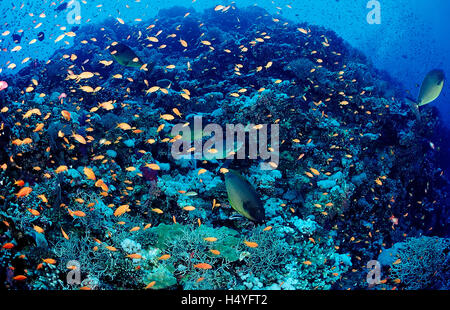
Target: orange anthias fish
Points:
x,y
8,246
19,183
50,261
150,285
121,210
89,173
79,138
102,185
124,126
24,191
203,266
164,257
66,115
134,256
210,239
77,213
64,234
251,244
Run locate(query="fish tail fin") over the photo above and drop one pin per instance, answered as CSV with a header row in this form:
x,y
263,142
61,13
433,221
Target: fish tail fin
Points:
x,y
414,106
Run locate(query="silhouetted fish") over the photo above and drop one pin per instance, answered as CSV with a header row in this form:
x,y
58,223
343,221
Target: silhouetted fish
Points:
x,y
17,38
41,36
61,7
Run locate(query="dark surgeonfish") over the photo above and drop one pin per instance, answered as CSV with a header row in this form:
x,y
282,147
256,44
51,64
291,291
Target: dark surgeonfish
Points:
x,y
61,7
429,90
16,38
124,55
243,197
41,36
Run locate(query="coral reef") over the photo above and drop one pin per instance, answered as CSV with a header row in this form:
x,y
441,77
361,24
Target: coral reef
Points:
x,y
87,173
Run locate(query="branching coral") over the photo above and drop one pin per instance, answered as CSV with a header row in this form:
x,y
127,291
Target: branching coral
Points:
x,y
422,262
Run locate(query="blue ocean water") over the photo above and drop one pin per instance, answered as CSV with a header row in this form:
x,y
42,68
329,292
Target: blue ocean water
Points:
x,y
356,196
